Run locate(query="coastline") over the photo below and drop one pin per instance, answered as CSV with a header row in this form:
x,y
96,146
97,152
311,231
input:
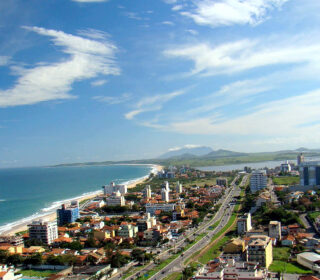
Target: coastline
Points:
x,y
50,212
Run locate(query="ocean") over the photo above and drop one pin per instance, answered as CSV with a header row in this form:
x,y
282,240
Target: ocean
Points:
x,y
27,193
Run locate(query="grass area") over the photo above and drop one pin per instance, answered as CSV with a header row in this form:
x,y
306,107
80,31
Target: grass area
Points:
x,y
281,253
202,182
286,180
208,253
159,267
37,273
214,250
174,276
214,225
132,271
292,268
313,215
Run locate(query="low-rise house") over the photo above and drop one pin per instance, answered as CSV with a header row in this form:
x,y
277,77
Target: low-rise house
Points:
x,y
7,273
309,260
12,249
294,229
127,230
101,235
231,270
96,225
288,241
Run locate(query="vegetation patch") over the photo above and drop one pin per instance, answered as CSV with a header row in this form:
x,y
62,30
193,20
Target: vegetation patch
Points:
x,y
286,180
37,273
285,267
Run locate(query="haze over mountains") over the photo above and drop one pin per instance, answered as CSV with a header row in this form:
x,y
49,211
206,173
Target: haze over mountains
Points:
x,y
205,156
209,153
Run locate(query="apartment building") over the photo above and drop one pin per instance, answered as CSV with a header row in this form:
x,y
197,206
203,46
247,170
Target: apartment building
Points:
x,y
45,231
259,250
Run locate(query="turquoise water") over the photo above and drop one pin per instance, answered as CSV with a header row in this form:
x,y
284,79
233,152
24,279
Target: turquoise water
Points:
x,y
26,192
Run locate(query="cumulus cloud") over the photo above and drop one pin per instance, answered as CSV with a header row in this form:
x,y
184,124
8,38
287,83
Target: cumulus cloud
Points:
x,y
215,13
152,103
87,59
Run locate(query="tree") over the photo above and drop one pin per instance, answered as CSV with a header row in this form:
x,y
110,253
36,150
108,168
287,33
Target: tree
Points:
x,y
187,272
118,260
35,259
14,259
90,243
137,254
3,256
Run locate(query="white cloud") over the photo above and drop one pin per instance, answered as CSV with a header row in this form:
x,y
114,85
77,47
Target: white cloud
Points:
x,y
98,83
298,115
177,7
133,15
87,59
229,12
114,99
152,103
247,54
188,146
192,31
167,22
4,60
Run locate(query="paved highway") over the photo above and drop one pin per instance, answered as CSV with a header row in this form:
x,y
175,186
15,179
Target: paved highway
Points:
x,y
224,214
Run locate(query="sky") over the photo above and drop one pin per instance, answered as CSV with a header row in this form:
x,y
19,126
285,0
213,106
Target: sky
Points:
x,y
95,80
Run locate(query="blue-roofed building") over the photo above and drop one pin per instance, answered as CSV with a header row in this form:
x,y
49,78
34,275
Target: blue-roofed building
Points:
x,y
67,215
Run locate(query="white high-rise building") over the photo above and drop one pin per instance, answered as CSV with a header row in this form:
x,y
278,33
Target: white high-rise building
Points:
x,y
165,195
166,186
116,199
44,231
147,192
179,187
112,188
258,180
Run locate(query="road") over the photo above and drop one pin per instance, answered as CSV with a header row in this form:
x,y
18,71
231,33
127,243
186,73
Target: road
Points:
x,y
224,214
309,227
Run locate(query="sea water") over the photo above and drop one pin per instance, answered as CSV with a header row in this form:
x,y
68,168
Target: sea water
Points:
x,y
28,193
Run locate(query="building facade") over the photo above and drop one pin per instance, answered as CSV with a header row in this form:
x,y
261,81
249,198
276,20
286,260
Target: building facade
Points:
x,y
309,173
275,229
259,250
258,180
68,214
153,207
244,224
147,192
116,199
44,231
164,195
112,188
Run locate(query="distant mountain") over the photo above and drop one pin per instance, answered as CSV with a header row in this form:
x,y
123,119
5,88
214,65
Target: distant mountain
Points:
x,y
186,152
224,153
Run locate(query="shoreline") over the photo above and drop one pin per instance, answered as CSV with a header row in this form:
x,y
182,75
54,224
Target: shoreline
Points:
x,y
21,225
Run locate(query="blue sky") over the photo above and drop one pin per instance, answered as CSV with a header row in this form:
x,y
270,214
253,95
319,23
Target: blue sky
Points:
x,y
91,80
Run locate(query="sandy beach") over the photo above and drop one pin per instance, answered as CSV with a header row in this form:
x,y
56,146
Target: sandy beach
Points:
x,y
52,215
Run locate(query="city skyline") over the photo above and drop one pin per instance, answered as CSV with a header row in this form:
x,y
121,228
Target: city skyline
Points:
x,y
94,80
